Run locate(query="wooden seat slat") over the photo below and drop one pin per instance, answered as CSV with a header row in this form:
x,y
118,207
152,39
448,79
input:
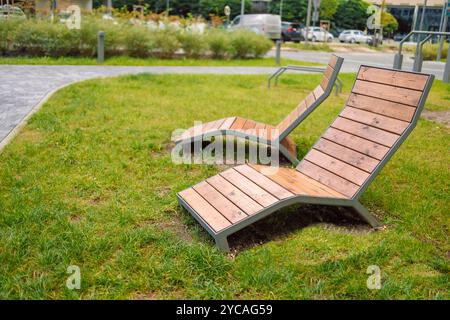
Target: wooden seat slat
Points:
x,y
393,77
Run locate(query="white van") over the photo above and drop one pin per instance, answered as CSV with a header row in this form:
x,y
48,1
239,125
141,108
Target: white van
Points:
x,y
268,24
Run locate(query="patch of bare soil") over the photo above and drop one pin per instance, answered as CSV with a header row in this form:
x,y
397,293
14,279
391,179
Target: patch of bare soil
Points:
x,y
284,222
438,116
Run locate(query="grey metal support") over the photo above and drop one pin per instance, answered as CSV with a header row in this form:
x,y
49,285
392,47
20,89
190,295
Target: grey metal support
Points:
x,y
222,243
100,47
275,76
418,59
398,59
446,76
366,215
278,52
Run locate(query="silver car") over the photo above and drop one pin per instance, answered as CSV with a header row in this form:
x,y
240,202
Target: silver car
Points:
x,y
268,24
354,36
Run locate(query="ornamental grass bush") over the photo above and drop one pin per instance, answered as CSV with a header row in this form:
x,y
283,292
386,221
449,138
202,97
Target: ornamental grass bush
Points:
x,y
34,37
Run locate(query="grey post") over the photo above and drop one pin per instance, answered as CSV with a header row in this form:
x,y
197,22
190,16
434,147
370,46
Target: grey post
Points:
x,y
278,52
446,76
100,47
418,58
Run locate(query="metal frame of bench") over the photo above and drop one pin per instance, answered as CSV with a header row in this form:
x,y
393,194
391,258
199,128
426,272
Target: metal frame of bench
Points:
x,y
351,201
281,70
338,61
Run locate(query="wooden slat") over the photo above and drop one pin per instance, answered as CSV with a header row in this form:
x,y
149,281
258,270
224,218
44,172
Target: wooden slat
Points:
x,y
227,123
353,142
375,120
328,178
290,146
338,167
387,108
333,61
347,155
298,183
310,99
328,71
248,187
393,77
213,125
395,94
324,83
208,213
318,91
219,202
264,182
240,199
364,131
248,127
238,123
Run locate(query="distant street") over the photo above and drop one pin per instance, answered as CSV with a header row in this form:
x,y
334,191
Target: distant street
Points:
x,y
354,59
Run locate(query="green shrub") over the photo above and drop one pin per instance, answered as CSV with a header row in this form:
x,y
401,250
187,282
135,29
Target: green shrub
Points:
x,y
166,42
44,38
7,35
192,43
138,41
219,43
260,45
247,44
429,51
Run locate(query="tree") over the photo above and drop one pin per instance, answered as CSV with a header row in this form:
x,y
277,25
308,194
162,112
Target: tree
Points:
x,y
328,9
351,14
389,23
293,10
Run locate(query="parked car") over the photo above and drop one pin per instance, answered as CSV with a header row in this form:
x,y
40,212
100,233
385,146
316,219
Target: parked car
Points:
x,y
317,34
290,31
8,11
268,24
354,36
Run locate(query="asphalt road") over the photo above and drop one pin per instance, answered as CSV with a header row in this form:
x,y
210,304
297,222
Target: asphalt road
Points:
x,y
352,60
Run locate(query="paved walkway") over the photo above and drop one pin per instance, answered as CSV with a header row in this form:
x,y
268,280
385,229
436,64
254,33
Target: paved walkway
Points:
x,y
352,60
22,88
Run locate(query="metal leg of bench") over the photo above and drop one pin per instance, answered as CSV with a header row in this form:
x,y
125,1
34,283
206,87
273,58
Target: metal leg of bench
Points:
x,y
222,243
366,215
289,156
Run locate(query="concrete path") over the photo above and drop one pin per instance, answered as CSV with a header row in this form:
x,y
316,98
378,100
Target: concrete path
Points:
x,y
352,60
24,88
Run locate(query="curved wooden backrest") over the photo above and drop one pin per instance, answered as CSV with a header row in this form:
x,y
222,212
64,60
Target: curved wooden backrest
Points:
x,y
382,109
313,100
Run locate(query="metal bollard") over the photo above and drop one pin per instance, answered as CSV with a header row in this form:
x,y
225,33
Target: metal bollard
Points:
x,y
418,61
446,76
398,60
278,52
100,47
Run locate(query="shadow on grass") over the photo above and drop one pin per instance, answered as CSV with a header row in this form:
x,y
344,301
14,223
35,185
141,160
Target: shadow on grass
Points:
x,y
282,223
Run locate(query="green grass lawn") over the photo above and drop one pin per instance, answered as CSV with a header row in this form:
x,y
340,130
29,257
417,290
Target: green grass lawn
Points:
x,y
129,61
89,182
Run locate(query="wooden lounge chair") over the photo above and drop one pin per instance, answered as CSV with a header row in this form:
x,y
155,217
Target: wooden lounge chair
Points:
x,y
262,133
382,109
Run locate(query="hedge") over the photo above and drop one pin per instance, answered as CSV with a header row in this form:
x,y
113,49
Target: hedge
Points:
x,y
44,38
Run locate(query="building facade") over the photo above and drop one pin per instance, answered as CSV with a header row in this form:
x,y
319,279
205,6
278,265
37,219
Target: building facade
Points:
x,y
409,13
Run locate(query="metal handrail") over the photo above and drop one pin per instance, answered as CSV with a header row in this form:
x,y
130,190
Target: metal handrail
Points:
x,y
281,70
398,59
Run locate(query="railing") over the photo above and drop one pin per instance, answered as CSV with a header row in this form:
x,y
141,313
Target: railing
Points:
x,y
281,70
418,58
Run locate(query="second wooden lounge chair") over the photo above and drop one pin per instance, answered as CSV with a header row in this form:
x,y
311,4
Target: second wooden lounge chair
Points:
x,y
382,109
262,133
